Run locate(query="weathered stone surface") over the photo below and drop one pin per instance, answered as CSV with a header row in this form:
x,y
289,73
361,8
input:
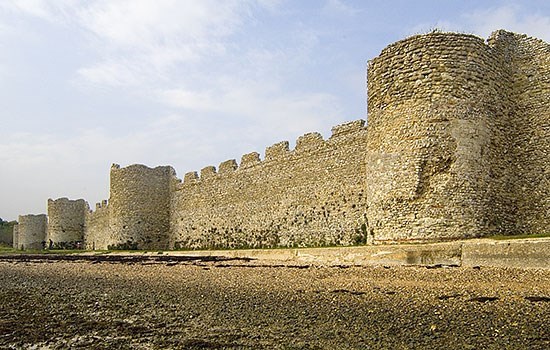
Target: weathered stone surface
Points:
x,y
66,222
310,196
139,206
6,232
97,234
31,231
533,253
452,149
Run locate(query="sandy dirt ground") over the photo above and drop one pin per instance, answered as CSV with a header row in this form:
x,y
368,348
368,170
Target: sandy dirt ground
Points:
x,y
236,304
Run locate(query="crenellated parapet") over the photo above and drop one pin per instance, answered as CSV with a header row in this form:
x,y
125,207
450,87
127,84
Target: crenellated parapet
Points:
x,y
309,141
228,166
208,172
310,195
345,129
249,160
279,152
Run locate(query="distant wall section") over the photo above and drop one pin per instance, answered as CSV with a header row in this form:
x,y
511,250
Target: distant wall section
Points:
x,y
97,235
16,236
6,232
310,196
31,231
66,222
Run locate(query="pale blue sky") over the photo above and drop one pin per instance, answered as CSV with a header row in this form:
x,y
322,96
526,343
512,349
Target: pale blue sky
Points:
x,y
84,84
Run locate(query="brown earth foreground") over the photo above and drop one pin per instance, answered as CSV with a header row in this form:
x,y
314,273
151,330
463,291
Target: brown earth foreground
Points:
x,y
214,303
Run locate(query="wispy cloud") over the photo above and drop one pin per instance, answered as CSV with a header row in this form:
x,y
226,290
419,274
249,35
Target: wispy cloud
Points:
x,y
510,17
339,8
484,20
153,37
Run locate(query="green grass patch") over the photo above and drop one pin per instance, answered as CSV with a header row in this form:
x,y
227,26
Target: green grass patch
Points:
x,y
504,237
9,250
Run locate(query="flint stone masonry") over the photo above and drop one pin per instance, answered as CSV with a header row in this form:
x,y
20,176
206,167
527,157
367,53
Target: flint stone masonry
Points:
x,y
310,196
97,235
31,231
66,221
457,145
459,134
139,206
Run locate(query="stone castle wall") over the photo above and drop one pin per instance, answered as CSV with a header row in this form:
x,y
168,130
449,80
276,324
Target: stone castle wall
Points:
x,y
527,61
97,235
66,221
456,136
139,206
437,112
31,231
6,232
310,196
457,145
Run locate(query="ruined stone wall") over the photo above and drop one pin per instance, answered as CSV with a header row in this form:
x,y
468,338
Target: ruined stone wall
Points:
x,y
527,61
438,162
139,206
31,231
97,235
66,221
310,196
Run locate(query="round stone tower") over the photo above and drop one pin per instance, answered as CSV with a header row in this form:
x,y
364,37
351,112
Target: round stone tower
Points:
x,y
140,206
31,231
437,160
66,221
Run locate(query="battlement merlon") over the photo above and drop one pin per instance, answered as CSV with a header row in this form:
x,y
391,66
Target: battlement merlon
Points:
x,y
277,151
249,159
228,166
103,204
348,128
208,172
190,177
312,140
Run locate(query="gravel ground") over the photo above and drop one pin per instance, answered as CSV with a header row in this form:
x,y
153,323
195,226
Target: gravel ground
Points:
x,y
243,305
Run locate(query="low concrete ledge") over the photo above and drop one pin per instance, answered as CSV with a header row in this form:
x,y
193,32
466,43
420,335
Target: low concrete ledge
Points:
x,y
529,253
520,253
420,254
517,253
